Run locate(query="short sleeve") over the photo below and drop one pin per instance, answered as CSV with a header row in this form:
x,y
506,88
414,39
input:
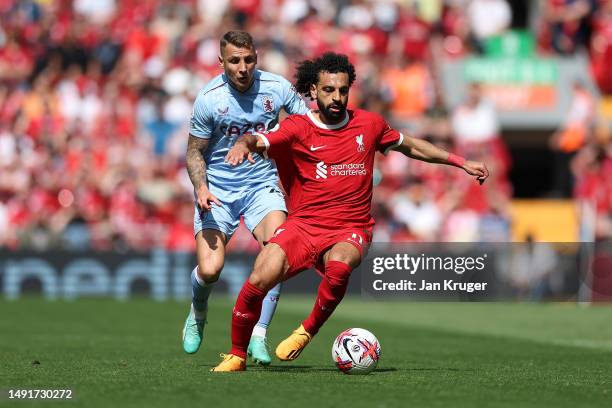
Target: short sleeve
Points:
x,y
389,138
292,102
202,122
278,142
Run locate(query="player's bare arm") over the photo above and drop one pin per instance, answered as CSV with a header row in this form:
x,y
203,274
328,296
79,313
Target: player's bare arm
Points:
x,y
196,168
423,150
243,149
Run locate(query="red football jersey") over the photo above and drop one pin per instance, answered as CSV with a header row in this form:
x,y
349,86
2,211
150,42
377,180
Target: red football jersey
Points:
x,y
330,180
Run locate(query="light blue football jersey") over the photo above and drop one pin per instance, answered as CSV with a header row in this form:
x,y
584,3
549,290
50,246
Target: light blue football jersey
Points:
x,y
223,114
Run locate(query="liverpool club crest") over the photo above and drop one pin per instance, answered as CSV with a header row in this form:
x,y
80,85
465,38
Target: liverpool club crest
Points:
x,y
359,141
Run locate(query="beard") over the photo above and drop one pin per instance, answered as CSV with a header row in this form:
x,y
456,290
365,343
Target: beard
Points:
x,y
330,115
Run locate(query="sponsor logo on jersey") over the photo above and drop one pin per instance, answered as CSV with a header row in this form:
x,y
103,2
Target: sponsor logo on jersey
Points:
x,y
268,103
360,146
346,169
278,232
222,111
321,170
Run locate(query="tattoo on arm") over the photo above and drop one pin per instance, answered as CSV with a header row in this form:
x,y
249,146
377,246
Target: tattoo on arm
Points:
x,y
196,166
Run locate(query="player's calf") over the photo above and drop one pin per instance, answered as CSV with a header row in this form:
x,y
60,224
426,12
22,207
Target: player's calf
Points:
x,y
193,328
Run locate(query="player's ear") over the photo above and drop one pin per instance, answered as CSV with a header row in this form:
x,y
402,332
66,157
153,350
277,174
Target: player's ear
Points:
x,y
220,61
313,91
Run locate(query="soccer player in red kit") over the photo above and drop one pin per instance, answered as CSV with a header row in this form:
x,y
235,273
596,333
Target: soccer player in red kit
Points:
x,y
329,183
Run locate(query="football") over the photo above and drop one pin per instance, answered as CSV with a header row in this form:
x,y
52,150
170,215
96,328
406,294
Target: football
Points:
x,y
356,351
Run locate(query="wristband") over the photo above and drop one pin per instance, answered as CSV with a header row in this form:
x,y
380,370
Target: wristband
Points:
x,y
455,160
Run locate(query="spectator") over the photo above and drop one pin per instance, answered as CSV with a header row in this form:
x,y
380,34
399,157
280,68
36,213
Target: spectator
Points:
x,y
475,122
412,35
488,18
416,209
160,130
601,46
571,137
566,24
592,168
95,96
408,87
533,271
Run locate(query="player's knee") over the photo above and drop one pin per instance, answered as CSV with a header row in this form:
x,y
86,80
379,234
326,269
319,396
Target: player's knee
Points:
x,y
350,258
266,273
209,272
264,278
261,281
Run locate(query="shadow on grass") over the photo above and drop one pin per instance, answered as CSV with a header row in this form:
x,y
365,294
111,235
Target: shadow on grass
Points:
x,y
320,369
296,369
438,369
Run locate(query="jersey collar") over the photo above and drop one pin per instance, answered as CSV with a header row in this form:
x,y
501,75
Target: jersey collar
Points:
x,y
322,125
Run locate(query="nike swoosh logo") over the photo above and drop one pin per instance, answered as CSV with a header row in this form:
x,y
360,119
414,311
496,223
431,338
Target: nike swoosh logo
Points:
x,y
313,149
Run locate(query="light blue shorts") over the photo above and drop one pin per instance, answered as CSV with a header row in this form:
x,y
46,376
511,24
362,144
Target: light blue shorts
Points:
x,y
253,205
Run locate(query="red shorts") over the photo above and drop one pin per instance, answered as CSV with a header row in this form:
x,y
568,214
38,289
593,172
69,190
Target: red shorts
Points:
x,y
305,245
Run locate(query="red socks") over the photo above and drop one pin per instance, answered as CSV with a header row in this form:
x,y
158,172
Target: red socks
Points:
x,y
244,317
331,291
248,306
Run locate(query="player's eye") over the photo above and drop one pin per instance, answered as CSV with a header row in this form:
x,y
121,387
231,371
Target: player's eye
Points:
x,y
344,90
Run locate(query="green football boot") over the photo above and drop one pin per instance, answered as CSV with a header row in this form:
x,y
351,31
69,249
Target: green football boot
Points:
x,y
193,332
258,351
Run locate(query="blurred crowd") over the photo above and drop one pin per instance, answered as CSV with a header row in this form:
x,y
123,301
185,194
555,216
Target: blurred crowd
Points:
x,y
95,96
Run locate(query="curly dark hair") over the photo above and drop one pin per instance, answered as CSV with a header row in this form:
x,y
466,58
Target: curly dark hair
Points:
x,y
307,72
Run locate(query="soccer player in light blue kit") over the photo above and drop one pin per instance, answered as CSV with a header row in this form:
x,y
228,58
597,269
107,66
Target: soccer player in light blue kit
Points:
x,y
241,100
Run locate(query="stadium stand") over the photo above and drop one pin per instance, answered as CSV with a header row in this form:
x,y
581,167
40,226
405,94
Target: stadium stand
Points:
x,y
95,97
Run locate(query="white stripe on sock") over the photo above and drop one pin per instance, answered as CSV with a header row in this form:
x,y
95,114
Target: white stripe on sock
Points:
x,y
199,315
199,280
197,277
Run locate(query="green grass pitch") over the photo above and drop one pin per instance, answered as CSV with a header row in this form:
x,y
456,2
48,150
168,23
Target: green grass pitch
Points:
x,y
116,354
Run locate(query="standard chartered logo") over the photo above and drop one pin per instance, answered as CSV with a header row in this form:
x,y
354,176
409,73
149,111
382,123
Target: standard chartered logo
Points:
x,y
321,170
346,169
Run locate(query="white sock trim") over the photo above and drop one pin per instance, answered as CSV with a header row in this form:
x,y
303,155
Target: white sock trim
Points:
x,y
259,331
199,315
199,280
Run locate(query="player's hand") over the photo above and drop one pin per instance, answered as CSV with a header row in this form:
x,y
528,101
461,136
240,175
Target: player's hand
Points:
x,y
238,153
477,169
206,199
